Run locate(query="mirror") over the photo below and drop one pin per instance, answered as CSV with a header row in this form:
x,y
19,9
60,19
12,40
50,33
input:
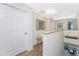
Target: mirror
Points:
x,y
40,25
59,26
72,26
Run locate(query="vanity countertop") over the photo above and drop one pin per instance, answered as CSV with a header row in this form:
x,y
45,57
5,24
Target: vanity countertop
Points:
x,y
71,37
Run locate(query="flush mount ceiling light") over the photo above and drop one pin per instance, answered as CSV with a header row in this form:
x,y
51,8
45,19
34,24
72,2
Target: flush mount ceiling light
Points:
x,y
50,11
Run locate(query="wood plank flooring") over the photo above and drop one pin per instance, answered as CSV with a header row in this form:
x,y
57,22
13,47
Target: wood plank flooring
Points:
x,y
37,51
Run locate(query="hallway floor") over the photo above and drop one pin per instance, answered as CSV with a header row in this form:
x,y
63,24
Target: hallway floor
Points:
x,y
37,51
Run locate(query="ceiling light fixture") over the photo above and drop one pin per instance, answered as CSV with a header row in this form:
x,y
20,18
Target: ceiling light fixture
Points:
x,y
50,11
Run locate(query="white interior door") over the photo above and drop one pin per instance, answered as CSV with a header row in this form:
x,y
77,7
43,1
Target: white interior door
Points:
x,y
15,31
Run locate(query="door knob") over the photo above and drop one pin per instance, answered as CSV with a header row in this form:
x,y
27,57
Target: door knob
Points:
x,y
25,33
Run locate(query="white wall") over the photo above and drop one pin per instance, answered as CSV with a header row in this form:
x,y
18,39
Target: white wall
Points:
x,y
53,44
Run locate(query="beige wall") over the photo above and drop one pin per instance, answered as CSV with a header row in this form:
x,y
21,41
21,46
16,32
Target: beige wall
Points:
x,y
78,22
37,33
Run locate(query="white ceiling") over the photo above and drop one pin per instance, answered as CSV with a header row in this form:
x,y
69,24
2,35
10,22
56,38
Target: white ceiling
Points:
x,y
62,9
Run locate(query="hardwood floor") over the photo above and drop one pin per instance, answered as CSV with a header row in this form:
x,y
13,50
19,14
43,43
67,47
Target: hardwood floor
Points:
x,y
37,51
